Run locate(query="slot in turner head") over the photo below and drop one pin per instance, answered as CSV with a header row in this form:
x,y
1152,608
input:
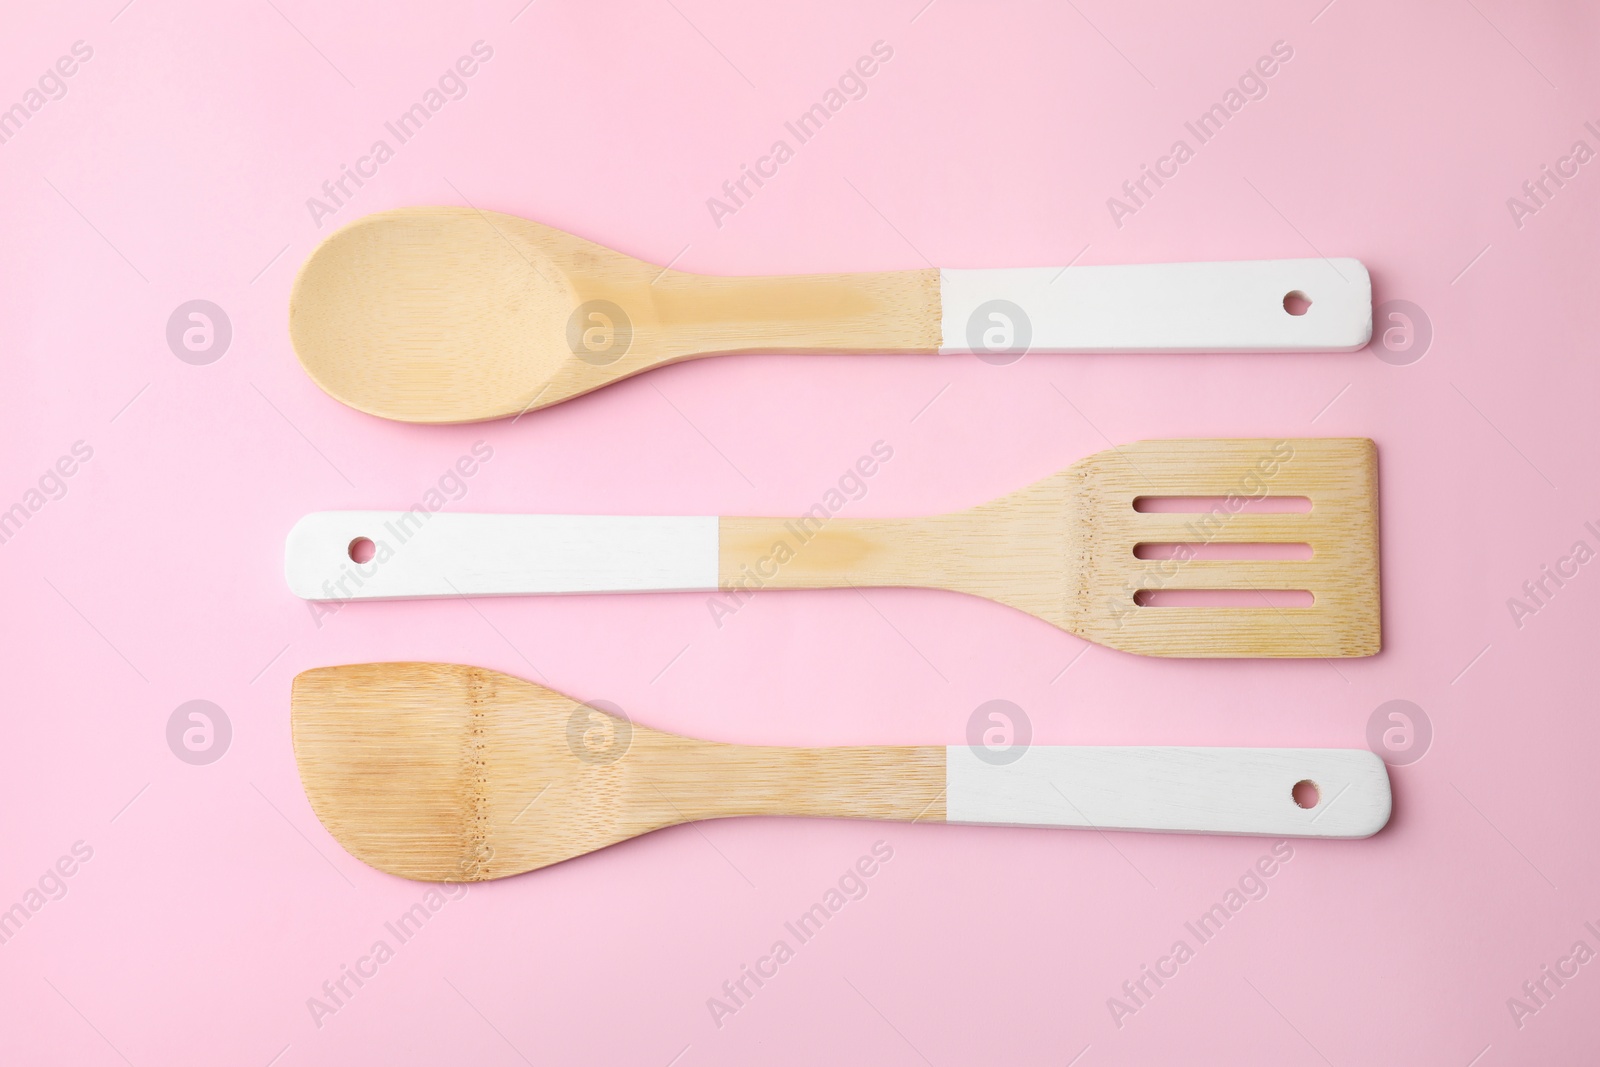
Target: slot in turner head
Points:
x,y
1338,475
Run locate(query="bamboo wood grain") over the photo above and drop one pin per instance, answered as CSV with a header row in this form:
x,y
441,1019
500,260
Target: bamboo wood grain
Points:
x,y
455,315
1064,548
450,773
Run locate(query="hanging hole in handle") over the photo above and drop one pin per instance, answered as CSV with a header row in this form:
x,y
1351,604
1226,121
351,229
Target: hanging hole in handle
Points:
x,y
362,550
1306,794
1296,303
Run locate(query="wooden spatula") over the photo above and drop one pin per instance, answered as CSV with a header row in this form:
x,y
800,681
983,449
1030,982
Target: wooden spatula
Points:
x,y
441,314
1067,549
457,774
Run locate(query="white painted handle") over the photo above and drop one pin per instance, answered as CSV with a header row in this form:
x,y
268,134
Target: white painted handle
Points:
x,y
1158,307
1173,790
423,554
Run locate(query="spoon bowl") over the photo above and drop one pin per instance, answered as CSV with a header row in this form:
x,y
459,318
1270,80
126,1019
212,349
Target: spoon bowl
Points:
x,y
417,315
443,315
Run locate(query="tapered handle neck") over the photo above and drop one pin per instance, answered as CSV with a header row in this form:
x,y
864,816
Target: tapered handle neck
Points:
x,y
699,314
704,780
1015,550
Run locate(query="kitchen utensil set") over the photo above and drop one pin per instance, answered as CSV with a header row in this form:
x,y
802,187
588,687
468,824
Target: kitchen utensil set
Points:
x,y
1192,548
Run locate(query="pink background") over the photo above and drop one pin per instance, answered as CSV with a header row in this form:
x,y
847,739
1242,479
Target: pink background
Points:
x,y
177,167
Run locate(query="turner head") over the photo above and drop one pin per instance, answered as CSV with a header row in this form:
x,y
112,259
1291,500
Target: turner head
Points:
x,y
447,773
1111,587
441,314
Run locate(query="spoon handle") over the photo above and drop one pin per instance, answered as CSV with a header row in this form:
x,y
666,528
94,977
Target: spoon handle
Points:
x,y
703,314
1271,305
1282,305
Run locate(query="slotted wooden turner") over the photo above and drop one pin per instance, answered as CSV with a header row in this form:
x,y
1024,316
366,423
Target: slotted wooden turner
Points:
x,y
1063,549
444,314
458,774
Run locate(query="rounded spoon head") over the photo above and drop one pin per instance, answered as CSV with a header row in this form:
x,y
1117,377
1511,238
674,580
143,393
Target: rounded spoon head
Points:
x,y
442,314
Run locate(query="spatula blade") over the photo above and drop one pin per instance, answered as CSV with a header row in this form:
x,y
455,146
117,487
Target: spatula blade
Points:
x,y
1337,475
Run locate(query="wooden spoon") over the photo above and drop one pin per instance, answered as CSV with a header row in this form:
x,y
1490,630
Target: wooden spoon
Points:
x,y
442,314
1067,549
447,773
